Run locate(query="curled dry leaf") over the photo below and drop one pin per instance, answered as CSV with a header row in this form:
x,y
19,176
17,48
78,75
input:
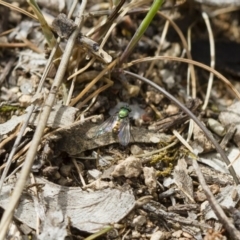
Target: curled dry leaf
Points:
x,y
226,198
183,180
215,161
216,127
60,116
88,211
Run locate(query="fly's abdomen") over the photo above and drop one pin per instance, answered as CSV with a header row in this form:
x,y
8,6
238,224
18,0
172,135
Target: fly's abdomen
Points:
x,y
116,127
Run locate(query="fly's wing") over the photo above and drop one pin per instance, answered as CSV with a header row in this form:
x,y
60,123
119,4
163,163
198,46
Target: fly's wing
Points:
x,y
124,134
107,125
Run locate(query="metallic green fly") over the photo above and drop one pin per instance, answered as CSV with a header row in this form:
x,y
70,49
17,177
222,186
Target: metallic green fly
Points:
x,y
119,125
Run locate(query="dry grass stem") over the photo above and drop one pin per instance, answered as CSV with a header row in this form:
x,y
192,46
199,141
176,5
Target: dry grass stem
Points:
x,y
163,36
93,82
201,65
212,56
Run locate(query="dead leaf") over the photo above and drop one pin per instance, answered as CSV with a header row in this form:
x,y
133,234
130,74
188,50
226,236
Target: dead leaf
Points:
x,y
183,180
231,116
225,199
60,116
88,211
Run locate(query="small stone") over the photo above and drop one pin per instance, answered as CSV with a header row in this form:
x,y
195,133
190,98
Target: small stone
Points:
x,y
136,234
130,167
216,127
159,235
136,150
25,99
139,221
14,90
153,97
150,178
154,139
94,173
187,235
215,189
56,175
177,234
65,170
200,196
171,109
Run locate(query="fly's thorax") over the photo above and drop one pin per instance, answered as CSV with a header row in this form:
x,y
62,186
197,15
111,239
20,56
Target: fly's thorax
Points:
x,y
124,112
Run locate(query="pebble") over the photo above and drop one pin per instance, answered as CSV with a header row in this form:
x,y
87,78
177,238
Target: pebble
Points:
x,y
139,221
136,150
136,234
159,235
65,170
130,167
187,235
177,234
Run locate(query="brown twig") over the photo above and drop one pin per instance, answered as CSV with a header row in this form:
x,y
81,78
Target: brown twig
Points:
x,y
232,231
94,81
